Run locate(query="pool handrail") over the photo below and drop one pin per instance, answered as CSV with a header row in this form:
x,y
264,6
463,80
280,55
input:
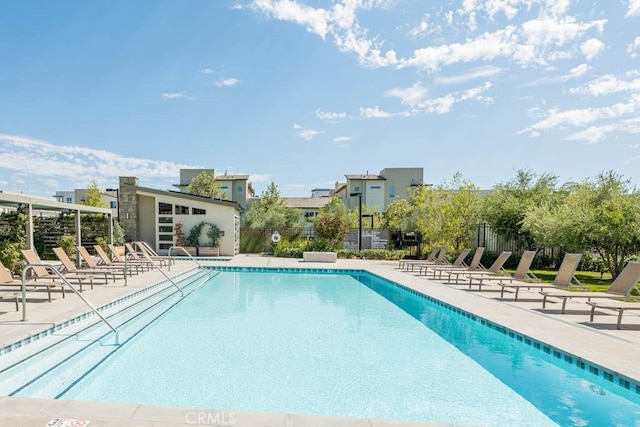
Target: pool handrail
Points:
x,y
152,262
66,282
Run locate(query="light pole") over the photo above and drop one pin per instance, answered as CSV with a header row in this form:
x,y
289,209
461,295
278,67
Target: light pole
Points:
x,y
359,219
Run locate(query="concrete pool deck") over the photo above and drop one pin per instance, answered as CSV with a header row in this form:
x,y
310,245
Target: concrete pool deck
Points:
x,y
600,342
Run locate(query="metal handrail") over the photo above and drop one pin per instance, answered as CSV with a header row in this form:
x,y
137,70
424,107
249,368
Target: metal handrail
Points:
x,y
144,247
191,258
66,282
144,254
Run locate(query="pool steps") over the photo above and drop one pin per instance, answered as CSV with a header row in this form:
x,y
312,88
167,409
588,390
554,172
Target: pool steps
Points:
x,y
53,363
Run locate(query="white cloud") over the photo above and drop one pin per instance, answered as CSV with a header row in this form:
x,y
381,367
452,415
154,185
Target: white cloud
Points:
x,y
175,95
634,8
342,138
579,71
52,164
594,134
256,177
557,32
477,73
306,134
420,30
585,116
606,85
374,112
592,48
322,115
408,96
633,47
207,71
227,82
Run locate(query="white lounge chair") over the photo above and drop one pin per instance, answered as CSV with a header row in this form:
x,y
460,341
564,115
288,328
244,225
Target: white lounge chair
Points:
x,y
457,263
474,265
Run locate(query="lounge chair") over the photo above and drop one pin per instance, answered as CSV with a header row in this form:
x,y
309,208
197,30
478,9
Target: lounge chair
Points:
x,y
564,278
619,306
104,258
521,274
457,263
6,279
88,259
493,271
620,288
70,267
44,273
474,265
406,263
121,259
150,253
142,255
439,260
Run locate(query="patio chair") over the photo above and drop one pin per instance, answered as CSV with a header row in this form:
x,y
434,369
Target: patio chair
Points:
x,y
6,279
143,255
44,273
457,263
439,260
121,259
474,265
521,274
405,263
616,305
564,278
91,262
106,260
494,270
620,288
70,266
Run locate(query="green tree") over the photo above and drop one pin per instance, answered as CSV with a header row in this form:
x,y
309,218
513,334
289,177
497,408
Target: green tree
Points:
x,y
333,222
94,196
204,184
396,215
505,208
270,213
601,214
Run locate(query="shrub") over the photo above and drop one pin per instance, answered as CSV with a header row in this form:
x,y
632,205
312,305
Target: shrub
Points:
x,y
11,257
68,244
591,262
104,243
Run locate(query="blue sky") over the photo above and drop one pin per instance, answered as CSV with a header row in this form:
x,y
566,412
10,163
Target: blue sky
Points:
x,y
302,92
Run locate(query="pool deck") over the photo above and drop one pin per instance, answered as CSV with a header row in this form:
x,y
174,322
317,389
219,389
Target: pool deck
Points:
x,y
600,342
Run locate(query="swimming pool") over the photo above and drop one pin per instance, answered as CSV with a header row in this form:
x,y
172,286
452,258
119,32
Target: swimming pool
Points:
x,y
346,344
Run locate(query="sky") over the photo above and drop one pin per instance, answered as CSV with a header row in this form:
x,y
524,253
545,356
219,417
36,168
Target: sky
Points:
x,y
302,92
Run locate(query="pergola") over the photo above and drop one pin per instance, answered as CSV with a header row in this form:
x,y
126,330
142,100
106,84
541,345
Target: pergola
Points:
x,y
34,203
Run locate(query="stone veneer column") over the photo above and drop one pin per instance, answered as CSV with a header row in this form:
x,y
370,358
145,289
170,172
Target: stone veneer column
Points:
x,y
129,207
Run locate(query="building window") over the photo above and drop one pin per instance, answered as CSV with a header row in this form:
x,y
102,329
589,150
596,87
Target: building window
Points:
x,y
113,204
182,210
165,219
165,208
392,191
165,229
239,189
166,237
165,246
224,187
356,189
197,211
375,187
69,200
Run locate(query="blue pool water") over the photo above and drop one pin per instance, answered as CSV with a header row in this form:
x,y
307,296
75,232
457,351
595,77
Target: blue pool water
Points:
x,y
344,345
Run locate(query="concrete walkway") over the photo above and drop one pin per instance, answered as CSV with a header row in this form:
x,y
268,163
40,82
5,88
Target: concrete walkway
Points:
x,y
600,343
